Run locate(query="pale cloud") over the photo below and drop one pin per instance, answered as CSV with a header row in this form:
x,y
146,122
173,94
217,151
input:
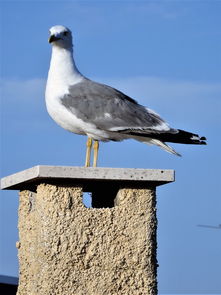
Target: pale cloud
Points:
x,y
90,14
150,88
22,105
179,102
22,90
168,10
90,9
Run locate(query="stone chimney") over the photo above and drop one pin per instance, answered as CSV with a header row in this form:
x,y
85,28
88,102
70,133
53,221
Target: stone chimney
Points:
x,y
65,248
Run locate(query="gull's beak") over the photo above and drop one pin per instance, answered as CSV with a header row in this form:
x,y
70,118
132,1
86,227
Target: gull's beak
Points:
x,y
53,38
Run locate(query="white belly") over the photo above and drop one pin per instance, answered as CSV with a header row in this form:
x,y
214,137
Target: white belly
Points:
x,y
63,117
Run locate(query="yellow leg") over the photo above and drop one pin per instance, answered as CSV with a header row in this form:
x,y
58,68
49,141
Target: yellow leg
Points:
x,y
88,152
96,147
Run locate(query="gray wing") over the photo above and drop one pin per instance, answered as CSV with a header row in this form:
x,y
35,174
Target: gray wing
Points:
x,y
109,109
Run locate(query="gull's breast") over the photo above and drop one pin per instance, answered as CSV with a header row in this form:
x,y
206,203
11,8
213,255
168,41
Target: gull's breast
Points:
x,y
58,112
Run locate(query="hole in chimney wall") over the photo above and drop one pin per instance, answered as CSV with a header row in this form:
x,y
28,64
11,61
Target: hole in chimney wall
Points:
x,y
101,197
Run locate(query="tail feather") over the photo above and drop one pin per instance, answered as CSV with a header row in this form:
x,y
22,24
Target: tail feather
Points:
x,y
164,146
159,139
180,136
184,137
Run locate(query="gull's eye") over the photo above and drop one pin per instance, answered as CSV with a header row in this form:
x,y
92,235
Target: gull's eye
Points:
x,y
65,33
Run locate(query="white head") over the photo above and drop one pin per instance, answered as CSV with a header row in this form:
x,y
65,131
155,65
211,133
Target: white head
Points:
x,y
60,36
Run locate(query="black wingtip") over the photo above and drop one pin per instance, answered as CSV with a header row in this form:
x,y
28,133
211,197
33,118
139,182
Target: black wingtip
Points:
x,y
203,142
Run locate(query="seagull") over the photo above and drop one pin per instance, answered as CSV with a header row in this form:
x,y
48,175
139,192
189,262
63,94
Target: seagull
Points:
x,y
101,112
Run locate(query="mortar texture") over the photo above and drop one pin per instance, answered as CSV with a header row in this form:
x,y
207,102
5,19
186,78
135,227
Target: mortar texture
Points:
x,y
68,249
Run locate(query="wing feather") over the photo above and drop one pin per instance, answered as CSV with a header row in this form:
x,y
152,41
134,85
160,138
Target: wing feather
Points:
x,y
111,110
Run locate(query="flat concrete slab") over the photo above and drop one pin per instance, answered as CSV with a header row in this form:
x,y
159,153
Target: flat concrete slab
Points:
x,y
69,175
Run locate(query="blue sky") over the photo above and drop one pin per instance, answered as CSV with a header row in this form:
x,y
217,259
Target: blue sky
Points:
x,y
166,55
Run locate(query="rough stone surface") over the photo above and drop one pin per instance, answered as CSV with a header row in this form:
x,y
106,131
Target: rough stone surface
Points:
x,y
68,249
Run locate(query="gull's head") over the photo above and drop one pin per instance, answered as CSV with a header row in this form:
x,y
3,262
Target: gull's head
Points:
x,y
60,36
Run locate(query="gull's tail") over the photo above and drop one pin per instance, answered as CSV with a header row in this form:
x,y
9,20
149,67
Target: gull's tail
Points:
x,y
180,136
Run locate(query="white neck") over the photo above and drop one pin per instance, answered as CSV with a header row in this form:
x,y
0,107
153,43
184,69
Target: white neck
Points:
x,y
63,70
